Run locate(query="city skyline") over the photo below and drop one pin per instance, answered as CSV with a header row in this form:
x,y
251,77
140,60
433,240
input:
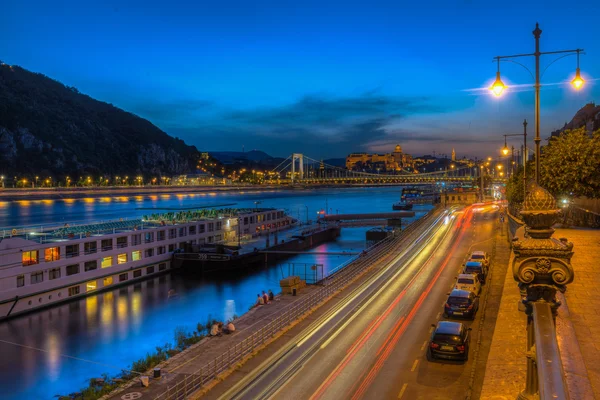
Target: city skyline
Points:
x,y
351,78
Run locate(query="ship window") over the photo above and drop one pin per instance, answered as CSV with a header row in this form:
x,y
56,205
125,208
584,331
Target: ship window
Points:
x,y
74,290
72,269
122,258
106,244
123,277
20,280
137,273
30,257
72,250
89,286
162,266
90,265
107,262
136,239
54,273
37,277
136,255
90,247
52,254
121,242
108,281
150,270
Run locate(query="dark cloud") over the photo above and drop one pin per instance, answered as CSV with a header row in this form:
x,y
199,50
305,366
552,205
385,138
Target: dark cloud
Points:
x,y
316,125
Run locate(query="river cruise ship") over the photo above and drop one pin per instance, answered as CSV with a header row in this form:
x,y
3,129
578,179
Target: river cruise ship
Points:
x,y
46,265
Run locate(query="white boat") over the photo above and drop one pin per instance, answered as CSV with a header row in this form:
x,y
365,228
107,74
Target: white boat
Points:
x,y
44,266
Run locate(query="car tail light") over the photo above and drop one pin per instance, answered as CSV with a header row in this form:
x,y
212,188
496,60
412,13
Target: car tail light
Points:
x,y
446,305
470,307
434,345
460,348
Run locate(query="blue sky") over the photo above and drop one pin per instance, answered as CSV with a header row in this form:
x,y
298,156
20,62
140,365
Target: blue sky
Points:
x,y
321,78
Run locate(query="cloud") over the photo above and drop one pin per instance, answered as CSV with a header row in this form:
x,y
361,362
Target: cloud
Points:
x,y
317,125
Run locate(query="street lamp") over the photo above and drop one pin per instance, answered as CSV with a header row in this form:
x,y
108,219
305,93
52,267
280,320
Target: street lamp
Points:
x,y
498,86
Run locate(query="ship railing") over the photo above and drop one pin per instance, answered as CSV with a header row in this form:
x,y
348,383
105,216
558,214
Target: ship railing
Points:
x,y
185,384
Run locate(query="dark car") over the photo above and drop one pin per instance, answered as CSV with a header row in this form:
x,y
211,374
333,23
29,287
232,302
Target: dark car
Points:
x,y
449,340
476,268
461,303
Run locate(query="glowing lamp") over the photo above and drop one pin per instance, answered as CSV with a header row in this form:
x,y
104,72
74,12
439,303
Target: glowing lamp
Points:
x,y
498,86
578,81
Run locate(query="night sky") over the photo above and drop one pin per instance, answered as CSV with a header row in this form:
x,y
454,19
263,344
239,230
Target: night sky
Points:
x,y
321,78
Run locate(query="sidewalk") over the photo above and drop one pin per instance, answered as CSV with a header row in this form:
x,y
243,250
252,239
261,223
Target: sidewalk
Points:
x,y
206,350
582,297
576,329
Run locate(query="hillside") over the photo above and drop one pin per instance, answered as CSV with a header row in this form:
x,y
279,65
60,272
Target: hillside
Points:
x,y
47,128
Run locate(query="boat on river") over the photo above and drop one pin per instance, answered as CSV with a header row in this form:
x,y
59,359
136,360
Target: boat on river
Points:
x,y
420,195
42,266
402,206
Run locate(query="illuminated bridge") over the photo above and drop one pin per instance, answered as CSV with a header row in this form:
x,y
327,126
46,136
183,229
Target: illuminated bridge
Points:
x,y
303,170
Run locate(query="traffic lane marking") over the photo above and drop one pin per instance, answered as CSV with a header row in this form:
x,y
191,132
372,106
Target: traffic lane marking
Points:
x,y
402,390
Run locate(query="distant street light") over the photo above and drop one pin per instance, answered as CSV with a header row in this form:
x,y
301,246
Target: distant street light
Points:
x,y
498,86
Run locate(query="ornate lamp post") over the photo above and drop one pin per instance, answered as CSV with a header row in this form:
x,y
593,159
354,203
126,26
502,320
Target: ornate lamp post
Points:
x,y
498,86
542,267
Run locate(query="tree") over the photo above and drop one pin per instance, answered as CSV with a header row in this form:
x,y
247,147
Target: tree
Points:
x,y
514,186
570,164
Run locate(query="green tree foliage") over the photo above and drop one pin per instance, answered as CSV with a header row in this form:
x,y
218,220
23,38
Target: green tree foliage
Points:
x,y
570,164
514,186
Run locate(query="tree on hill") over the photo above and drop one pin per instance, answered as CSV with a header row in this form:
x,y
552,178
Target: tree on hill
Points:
x,y
570,164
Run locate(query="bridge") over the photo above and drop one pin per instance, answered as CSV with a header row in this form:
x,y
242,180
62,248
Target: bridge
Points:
x,y
304,170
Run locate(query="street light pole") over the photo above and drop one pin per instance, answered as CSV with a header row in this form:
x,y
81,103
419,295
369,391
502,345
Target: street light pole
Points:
x,y
498,86
537,33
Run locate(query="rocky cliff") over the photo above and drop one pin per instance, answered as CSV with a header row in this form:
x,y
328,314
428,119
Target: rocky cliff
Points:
x,y
47,128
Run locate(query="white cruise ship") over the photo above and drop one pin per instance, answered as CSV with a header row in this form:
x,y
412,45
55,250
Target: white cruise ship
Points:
x,y
44,266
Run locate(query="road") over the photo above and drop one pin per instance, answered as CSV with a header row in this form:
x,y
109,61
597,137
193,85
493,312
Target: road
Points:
x,y
373,344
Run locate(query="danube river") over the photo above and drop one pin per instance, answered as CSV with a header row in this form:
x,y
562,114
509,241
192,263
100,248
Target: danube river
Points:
x,y
56,350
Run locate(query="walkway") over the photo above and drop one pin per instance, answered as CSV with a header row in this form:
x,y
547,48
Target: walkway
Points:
x,y
576,328
211,347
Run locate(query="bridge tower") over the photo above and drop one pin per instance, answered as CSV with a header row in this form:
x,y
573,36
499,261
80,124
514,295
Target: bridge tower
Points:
x,y
300,158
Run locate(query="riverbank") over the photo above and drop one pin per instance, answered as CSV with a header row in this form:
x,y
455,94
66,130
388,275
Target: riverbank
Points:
x,y
15,194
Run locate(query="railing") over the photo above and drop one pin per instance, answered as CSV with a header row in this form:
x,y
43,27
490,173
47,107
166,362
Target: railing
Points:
x,y
337,280
550,373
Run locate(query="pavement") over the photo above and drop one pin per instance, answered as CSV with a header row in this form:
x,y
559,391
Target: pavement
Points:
x,y
209,348
578,327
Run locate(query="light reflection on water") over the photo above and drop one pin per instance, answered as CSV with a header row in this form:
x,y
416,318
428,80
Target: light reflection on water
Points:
x,y
117,327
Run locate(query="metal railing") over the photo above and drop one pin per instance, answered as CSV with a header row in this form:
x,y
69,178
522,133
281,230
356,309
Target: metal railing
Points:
x,y
186,384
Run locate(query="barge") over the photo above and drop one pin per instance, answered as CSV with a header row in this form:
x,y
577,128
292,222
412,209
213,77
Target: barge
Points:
x,y
210,259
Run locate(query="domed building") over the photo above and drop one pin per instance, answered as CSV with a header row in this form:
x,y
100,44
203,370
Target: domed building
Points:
x,y
395,161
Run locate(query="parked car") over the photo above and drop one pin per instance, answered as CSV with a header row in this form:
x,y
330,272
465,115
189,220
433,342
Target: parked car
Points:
x,y
449,340
480,256
468,282
461,303
476,268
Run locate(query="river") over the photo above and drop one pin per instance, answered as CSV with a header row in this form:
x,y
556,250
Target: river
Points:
x,y
56,350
